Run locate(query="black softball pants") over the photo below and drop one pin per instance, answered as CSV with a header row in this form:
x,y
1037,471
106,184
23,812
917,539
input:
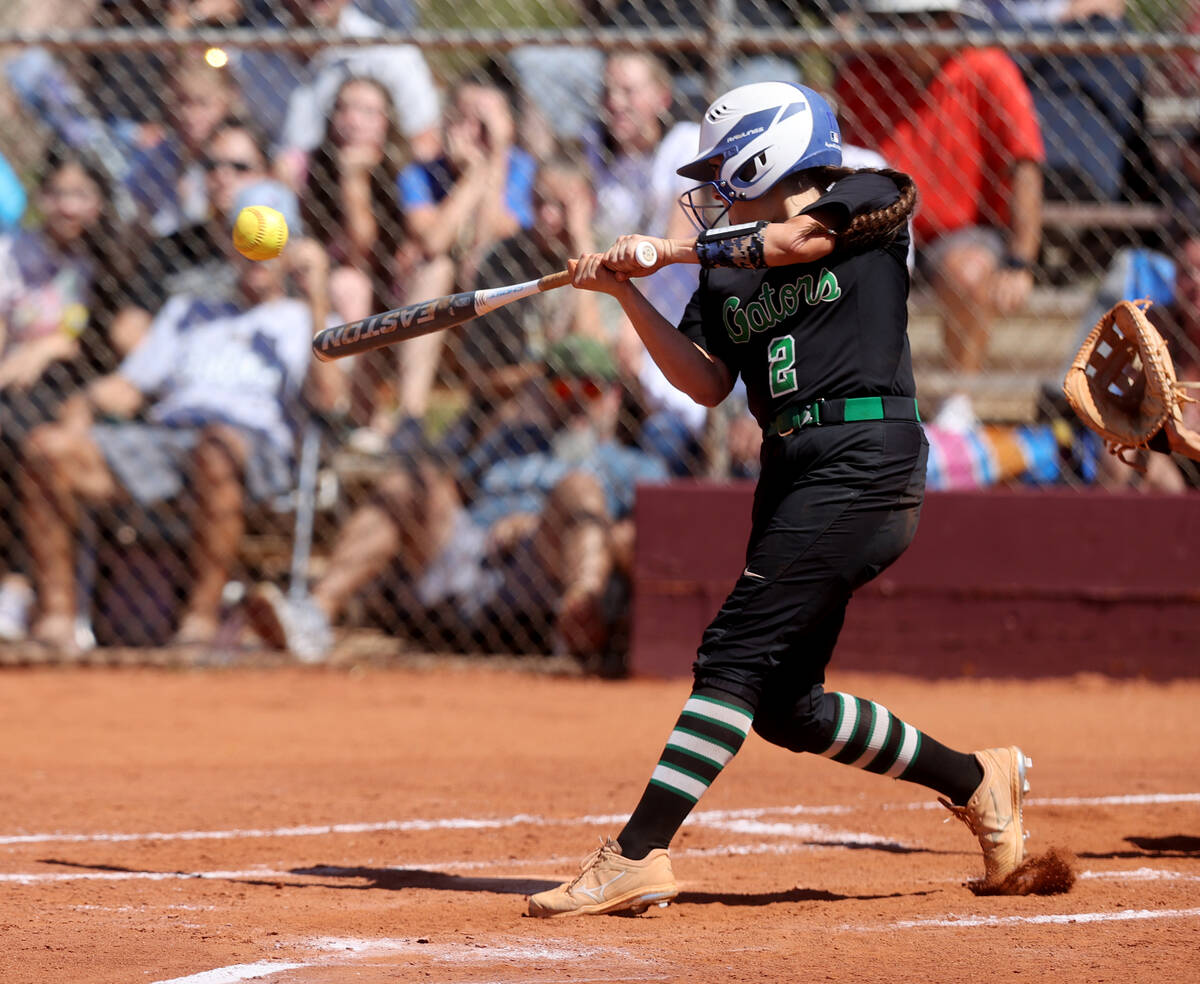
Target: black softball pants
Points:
x,y
834,507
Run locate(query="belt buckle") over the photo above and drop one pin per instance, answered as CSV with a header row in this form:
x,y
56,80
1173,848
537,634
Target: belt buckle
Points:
x,y
803,419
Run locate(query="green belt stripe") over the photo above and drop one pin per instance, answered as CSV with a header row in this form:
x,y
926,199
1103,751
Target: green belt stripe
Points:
x,y
863,408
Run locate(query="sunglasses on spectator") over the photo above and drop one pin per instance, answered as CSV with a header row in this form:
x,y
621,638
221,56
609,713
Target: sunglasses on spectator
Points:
x,y
242,167
565,389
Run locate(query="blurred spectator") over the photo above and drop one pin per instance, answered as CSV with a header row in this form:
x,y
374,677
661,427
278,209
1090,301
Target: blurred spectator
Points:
x,y
527,563
46,91
309,85
351,203
476,192
1089,105
216,380
978,228
194,258
110,103
499,354
632,154
54,284
167,178
350,199
12,197
473,194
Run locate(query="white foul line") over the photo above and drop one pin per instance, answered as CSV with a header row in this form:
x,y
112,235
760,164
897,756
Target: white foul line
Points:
x,y
701,817
1054,919
234,973
1133,799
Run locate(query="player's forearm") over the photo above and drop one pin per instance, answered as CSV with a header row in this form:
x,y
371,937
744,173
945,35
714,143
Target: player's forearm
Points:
x,y
687,367
1026,233
799,240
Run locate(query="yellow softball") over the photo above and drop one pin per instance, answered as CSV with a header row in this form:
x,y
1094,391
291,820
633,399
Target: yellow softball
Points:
x,y
260,233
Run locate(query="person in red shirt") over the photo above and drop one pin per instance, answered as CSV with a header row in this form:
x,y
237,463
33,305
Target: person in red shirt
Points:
x,y
963,124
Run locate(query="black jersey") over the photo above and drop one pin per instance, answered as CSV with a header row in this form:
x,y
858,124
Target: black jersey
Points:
x,y
825,330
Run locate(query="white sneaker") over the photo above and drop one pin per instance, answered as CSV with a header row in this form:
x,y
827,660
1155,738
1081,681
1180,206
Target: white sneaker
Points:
x,y
16,600
296,625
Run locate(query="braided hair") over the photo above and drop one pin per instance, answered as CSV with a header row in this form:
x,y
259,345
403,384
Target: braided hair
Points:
x,y
871,229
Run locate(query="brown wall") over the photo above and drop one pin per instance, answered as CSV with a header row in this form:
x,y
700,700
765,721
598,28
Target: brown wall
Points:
x,y
1020,583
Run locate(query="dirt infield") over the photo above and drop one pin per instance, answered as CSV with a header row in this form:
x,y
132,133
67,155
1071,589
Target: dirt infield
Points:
x,y
304,826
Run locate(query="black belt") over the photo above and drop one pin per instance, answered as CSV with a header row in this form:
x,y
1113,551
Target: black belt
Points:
x,y
823,412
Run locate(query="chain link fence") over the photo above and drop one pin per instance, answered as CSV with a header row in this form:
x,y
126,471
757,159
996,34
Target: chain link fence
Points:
x,y
181,477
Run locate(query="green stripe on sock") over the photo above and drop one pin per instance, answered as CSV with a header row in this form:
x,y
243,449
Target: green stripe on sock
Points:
x,y
673,789
895,732
740,711
690,775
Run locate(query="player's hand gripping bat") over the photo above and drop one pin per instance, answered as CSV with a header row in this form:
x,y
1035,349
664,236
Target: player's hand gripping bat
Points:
x,y
412,320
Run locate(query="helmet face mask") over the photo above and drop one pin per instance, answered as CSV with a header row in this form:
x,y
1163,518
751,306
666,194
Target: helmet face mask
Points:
x,y
706,205
754,136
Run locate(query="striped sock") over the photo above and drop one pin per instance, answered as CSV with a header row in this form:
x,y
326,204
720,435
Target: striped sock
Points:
x,y
707,735
868,736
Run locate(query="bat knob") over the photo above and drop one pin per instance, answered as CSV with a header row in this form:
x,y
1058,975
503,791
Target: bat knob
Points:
x,y
646,254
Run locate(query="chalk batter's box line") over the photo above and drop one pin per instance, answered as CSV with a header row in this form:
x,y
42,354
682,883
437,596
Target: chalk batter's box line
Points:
x,y
304,871
701,817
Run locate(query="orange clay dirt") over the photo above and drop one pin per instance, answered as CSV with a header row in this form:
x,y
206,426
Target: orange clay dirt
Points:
x,y
306,825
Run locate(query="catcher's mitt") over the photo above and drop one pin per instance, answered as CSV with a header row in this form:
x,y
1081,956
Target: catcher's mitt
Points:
x,y
1122,385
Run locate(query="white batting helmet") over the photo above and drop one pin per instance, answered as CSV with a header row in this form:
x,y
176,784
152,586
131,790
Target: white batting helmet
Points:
x,y
761,133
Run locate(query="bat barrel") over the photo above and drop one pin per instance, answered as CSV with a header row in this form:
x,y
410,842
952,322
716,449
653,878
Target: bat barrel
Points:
x,y
412,320
393,326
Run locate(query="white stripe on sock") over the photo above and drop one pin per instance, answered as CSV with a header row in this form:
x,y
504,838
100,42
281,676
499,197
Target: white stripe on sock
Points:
x,y
710,751
879,731
731,717
690,787
846,729
908,749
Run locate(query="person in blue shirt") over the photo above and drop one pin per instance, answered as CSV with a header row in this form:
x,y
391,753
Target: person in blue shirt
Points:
x,y
477,192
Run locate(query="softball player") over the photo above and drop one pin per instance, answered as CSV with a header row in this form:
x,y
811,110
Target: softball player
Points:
x,y
803,296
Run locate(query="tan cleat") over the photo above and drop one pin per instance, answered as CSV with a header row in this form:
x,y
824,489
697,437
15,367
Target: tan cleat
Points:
x,y
994,810
607,882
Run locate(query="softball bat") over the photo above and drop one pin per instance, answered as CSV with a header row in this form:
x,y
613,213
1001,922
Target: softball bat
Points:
x,y
425,317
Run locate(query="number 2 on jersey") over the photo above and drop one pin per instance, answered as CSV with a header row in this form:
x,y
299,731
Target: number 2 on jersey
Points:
x,y
781,354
